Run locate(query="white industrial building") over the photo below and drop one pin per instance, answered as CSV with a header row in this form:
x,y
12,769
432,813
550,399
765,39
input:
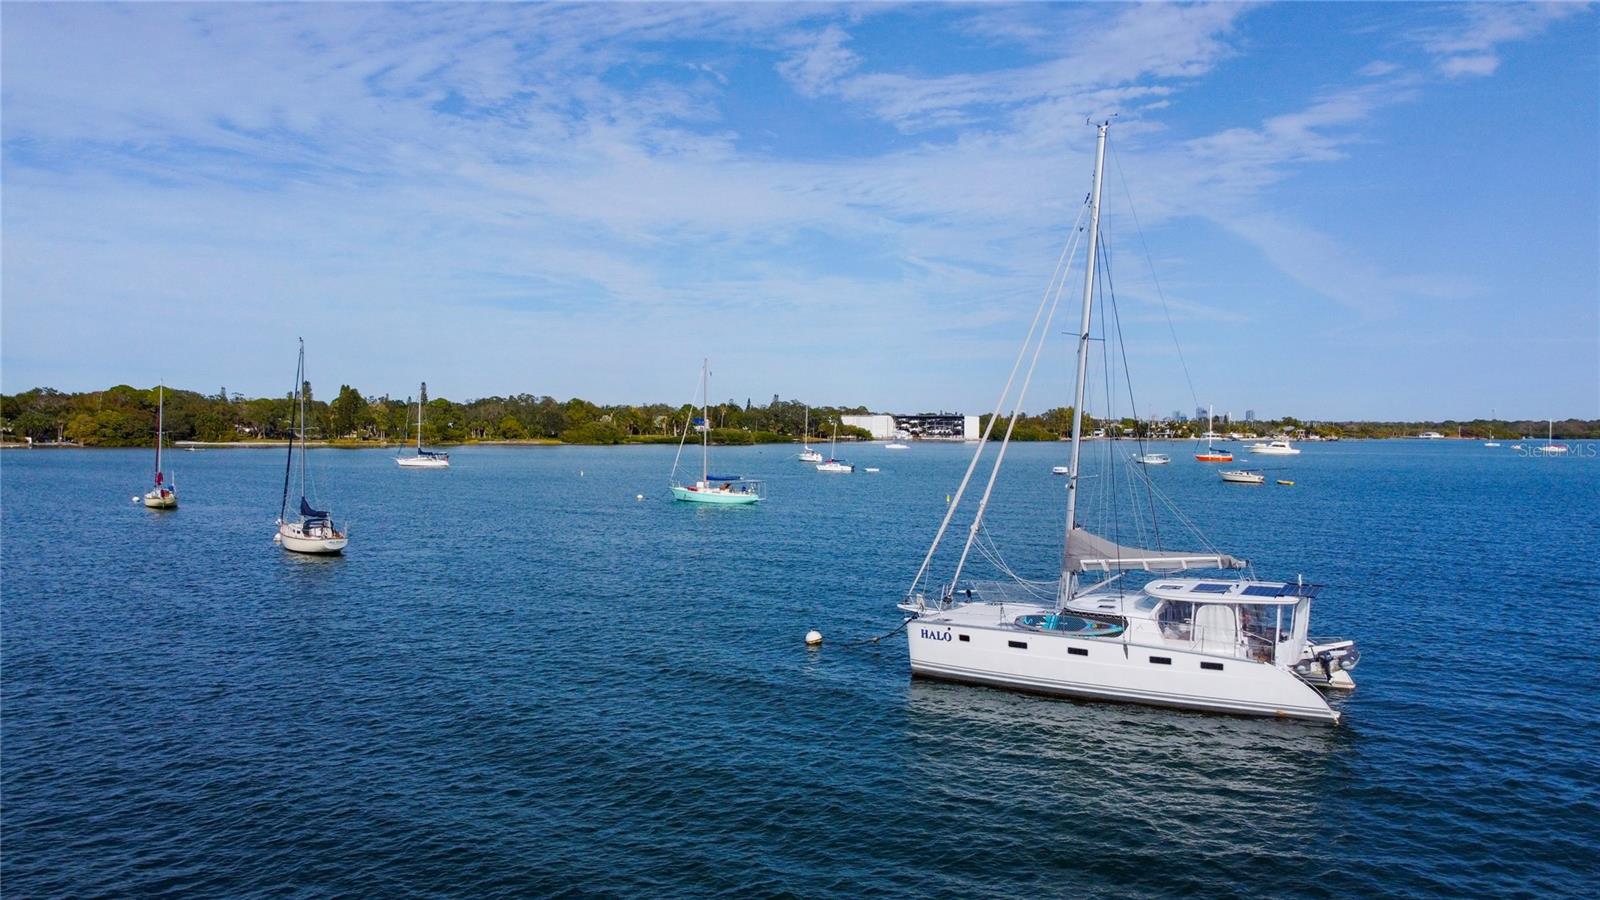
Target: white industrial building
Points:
x,y
922,426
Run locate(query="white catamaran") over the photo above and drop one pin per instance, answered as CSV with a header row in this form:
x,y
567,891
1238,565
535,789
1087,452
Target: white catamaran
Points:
x,y
164,495
424,459
727,490
1219,644
312,531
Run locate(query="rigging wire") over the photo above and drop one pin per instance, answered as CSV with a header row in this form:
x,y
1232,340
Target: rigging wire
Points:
x,y
1149,260
1063,265
1127,378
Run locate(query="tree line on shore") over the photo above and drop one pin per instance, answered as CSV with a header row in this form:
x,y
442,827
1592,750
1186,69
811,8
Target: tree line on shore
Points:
x,y
125,416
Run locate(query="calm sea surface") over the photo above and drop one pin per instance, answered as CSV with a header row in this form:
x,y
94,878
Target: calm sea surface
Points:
x,y
521,679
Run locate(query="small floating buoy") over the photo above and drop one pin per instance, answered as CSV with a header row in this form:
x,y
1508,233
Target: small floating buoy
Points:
x,y
136,498
813,638
638,496
947,498
580,473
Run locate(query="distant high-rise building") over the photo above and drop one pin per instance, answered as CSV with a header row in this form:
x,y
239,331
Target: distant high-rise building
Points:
x,y
1249,415
1199,412
1177,415
1227,418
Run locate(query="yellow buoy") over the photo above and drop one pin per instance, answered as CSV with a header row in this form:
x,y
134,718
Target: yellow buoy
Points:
x,y
813,638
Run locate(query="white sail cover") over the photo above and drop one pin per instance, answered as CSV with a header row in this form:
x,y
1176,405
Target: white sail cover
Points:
x,y
1088,552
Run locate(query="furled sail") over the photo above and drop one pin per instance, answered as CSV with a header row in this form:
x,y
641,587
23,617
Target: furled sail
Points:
x,y
1088,552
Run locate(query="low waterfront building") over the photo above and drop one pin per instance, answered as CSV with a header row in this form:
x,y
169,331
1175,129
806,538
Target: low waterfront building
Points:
x,y
940,426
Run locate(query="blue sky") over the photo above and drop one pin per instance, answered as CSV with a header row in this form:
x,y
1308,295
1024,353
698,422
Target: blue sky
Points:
x,y
1352,210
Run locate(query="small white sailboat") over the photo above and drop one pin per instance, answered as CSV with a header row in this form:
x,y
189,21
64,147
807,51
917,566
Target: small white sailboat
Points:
x,y
1151,459
896,445
724,490
423,459
1060,470
164,495
1242,476
834,464
1549,448
311,530
807,454
1219,644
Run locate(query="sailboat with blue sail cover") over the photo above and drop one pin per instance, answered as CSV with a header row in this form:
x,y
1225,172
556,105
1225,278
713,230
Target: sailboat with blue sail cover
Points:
x,y
423,459
312,531
724,490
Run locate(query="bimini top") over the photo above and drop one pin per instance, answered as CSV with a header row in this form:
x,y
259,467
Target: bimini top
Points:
x,y
1201,590
1089,552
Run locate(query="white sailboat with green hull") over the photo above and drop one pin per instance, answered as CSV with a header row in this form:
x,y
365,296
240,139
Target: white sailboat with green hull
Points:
x,y
724,490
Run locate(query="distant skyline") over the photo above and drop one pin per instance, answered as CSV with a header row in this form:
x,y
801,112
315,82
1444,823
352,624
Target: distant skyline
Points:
x,y
1354,211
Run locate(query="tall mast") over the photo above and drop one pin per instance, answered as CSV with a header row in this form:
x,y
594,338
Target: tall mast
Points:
x,y
705,415
1210,429
161,420
302,389
1069,581
421,393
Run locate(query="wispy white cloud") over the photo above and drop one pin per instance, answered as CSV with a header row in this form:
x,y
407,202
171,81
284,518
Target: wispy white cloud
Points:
x,y
1468,46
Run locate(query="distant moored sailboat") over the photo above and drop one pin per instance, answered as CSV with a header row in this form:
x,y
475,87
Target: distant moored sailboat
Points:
x,y
312,531
164,495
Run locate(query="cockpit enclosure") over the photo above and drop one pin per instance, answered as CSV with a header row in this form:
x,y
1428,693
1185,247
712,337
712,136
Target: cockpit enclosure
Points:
x,y
1263,621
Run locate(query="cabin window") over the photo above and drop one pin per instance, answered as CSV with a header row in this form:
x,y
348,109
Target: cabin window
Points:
x,y
1215,667
1077,651
1176,617
963,637
1020,645
1161,660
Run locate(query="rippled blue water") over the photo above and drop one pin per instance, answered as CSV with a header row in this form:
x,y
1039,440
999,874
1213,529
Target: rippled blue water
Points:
x,y
521,679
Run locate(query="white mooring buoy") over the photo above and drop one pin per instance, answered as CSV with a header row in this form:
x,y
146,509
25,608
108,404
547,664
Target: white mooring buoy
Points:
x,y
638,496
813,638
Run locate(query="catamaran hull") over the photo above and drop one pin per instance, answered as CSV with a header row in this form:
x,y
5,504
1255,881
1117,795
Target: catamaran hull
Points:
x,y
724,498
1109,669
293,540
422,462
